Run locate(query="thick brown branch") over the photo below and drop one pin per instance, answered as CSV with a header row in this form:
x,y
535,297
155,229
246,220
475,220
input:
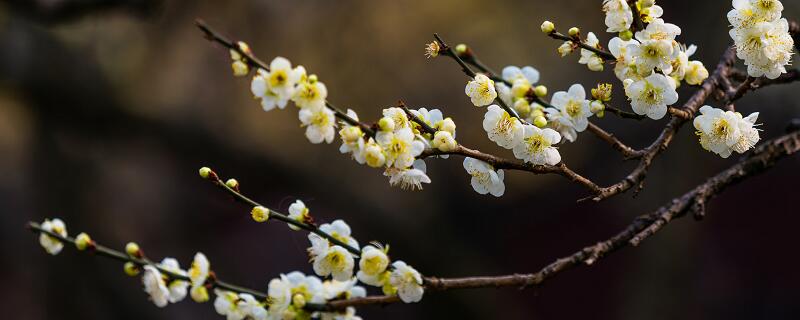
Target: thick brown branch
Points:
x,y
761,159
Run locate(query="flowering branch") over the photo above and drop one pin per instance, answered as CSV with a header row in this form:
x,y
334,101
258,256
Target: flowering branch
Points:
x,y
642,227
576,41
254,62
141,261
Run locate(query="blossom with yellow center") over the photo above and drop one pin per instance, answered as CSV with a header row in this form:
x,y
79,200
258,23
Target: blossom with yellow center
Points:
x,y
481,90
537,146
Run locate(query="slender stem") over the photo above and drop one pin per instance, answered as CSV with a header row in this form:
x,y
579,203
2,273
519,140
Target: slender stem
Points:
x,y
425,127
605,55
255,62
637,24
464,67
281,216
104,251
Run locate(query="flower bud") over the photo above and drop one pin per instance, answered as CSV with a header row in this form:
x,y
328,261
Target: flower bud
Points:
x,y
205,172
386,124
232,183
260,214
597,106
235,55
132,249
82,241
131,269
447,125
540,91
548,27
540,121
522,107
461,49
537,113
240,69
520,88
574,31
313,78
243,47
595,64
626,35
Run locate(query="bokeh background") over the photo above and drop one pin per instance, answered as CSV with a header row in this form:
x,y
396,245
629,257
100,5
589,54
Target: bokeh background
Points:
x,y
108,108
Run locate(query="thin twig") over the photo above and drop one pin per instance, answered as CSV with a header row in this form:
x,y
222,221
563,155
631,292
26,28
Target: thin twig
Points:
x,y
605,55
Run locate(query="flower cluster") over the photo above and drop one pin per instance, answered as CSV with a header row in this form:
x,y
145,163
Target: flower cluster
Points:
x,y
394,147
762,37
288,295
723,132
650,63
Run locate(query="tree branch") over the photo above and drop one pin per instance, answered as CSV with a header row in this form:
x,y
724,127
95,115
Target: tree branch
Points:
x,y
642,227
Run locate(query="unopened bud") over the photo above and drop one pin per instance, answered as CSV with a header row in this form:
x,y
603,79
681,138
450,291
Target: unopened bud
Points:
x,y
240,69
298,301
548,27
232,183
131,269
132,249
447,125
574,32
205,172
626,35
82,241
540,121
596,106
199,294
540,91
461,49
313,78
244,47
386,124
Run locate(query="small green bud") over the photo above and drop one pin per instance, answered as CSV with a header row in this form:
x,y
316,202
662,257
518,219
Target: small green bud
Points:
x,y
574,31
626,35
82,241
540,91
205,172
540,121
132,249
131,269
461,48
232,183
386,124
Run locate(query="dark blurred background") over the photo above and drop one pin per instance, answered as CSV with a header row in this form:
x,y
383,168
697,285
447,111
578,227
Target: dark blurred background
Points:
x,y
108,108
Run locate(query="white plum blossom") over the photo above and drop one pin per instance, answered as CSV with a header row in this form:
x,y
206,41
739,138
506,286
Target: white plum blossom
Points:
x,y
336,261
618,15
481,90
250,307
310,93
276,86
294,287
556,120
334,289
155,286
52,245
485,179
299,212
319,123
409,178
651,96
658,30
502,128
625,68
408,282
430,117
527,74
589,58
352,138
696,73
339,230
573,106
198,273
400,147
227,304
177,288
372,265
537,146
761,36
723,132
398,116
